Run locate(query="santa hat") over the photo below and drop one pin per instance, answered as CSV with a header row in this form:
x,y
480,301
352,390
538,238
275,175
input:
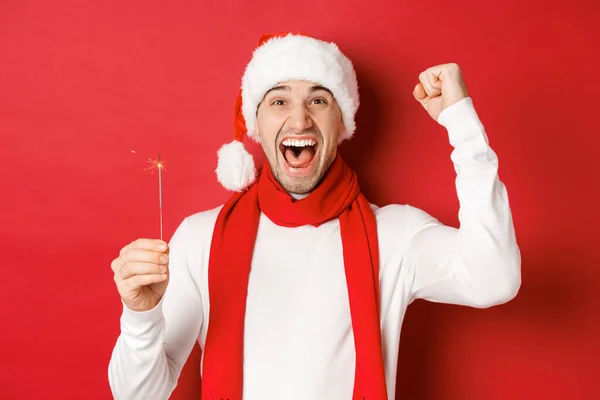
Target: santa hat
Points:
x,y
280,58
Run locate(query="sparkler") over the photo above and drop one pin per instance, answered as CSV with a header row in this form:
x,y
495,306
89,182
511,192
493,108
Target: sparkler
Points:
x,y
159,165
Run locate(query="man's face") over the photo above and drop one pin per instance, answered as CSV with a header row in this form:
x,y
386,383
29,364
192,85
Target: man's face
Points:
x,y
299,123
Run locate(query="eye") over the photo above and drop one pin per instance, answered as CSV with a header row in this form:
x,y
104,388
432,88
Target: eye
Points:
x,y
278,102
319,101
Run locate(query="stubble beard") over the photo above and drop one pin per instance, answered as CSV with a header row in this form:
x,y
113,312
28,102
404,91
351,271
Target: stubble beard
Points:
x,y
298,185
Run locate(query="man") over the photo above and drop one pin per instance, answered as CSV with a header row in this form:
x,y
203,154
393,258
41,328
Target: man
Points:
x,y
297,287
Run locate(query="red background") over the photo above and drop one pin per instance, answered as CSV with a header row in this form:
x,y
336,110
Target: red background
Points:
x,y
84,83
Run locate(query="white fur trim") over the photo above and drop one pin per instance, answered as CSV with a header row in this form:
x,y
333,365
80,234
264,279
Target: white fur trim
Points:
x,y
235,168
296,57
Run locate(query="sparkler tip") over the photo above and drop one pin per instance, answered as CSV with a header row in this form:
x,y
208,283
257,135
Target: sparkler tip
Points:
x,y
156,164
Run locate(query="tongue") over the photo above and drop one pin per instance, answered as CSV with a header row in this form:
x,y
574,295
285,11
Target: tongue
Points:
x,y
301,160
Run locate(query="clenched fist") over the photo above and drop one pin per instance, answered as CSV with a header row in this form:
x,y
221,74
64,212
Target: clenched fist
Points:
x,y
439,87
142,273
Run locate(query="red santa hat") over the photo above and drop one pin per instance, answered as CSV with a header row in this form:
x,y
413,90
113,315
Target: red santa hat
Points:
x,y
279,58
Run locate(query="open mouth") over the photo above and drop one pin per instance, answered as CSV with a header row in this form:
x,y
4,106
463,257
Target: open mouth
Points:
x,y
299,154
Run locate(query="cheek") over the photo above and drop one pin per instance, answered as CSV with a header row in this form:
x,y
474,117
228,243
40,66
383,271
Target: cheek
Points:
x,y
331,127
268,126
267,134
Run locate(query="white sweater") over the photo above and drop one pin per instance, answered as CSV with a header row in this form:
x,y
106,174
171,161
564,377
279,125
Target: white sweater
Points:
x,y
298,341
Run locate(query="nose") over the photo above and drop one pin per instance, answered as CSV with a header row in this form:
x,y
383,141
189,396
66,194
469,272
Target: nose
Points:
x,y
299,118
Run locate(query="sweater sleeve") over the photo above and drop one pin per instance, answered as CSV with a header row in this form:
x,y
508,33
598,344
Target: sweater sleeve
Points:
x,y
154,345
478,264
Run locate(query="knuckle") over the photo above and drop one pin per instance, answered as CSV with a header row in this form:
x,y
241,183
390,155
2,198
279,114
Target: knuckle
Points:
x,y
114,266
132,255
125,271
455,69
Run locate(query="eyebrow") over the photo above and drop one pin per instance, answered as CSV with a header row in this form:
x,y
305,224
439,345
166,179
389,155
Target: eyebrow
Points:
x,y
286,88
317,88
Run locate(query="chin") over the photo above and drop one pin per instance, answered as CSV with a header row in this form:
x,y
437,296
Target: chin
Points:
x,y
299,187
300,183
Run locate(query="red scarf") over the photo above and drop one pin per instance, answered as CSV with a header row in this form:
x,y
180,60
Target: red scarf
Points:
x,y
337,196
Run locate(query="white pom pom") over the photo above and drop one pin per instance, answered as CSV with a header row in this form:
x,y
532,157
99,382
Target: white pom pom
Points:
x,y
235,168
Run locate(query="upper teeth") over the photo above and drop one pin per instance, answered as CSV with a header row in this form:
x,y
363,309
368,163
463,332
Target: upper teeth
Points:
x,y
299,143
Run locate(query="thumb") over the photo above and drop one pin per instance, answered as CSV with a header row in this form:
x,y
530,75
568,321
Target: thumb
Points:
x,y
419,92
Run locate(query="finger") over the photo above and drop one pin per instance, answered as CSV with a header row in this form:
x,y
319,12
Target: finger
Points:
x,y
431,83
144,256
442,71
137,281
434,81
149,244
141,268
161,246
116,264
124,249
436,71
426,84
419,93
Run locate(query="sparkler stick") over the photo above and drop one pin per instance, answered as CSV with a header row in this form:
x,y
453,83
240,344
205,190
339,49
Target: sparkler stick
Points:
x,y
159,165
160,196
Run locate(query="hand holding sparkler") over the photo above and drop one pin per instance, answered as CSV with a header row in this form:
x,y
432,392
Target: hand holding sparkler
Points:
x,y
141,273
